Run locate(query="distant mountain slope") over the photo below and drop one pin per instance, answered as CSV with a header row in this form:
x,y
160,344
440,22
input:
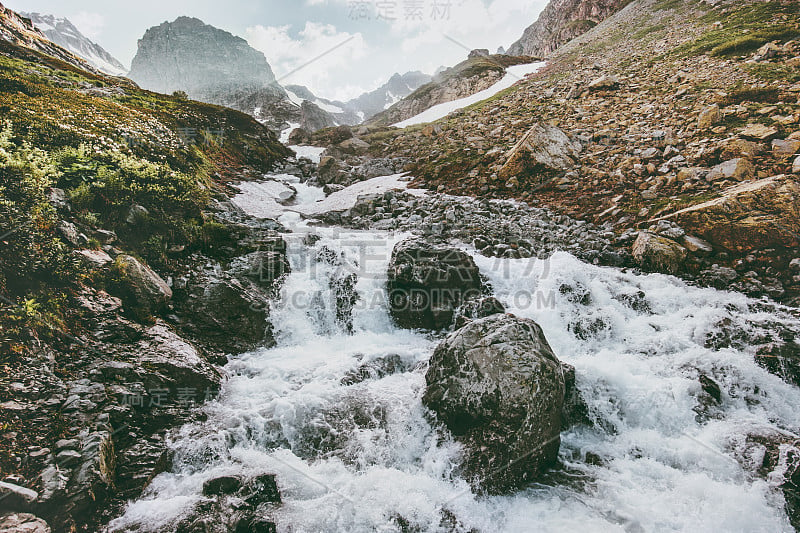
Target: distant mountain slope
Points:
x,y
398,87
468,77
62,32
19,30
202,60
562,21
338,112
215,66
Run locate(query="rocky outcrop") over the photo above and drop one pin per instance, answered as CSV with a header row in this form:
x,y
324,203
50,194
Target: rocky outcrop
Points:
x,y
542,149
95,429
498,387
202,60
428,282
312,118
753,215
560,22
140,287
229,314
212,65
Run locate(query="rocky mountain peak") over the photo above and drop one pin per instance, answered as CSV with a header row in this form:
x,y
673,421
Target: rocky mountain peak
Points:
x,y
20,31
202,60
62,32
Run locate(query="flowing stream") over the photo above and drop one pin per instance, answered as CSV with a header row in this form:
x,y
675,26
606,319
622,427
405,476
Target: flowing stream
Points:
x,y
335,408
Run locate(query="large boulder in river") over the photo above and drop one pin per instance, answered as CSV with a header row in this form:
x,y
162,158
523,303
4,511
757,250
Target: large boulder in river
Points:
x,y
658,254
498,387
427,282
544,148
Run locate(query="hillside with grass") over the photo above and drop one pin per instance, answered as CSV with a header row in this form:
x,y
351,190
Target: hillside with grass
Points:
x,y
107,193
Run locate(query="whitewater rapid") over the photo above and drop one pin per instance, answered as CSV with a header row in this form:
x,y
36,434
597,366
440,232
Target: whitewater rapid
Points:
x,y
366,456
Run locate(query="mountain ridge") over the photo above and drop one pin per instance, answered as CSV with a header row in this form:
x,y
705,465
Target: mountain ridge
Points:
x,y
62,32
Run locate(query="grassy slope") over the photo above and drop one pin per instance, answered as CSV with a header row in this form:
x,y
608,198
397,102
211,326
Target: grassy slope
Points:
x,y
108,151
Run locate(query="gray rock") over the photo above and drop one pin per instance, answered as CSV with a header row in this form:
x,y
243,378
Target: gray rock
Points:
x,y
58,199
428,282
141,286
174,363
227,314
696,244
16,498
136,213
658,254
604,83
498,387
543,147
222,485
331,188
264,267
709,117
739,169
23,523
93,259
70,233
67,458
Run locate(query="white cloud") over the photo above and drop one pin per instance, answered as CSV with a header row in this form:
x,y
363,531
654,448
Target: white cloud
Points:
x,y
89,24
318,56
471,23
419,35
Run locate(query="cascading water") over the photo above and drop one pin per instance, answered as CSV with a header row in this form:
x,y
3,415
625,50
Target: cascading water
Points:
x,y
335,408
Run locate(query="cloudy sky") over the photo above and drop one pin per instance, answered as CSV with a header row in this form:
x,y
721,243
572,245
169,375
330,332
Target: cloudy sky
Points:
x,y
362,43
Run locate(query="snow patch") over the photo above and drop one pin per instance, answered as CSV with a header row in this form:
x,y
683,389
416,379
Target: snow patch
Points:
x,y
513,75
314,153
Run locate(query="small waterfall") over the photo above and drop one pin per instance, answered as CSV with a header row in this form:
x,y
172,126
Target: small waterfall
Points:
x,y
334,409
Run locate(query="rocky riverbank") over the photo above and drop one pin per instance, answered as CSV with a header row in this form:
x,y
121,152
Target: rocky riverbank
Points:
x,y
678,132
89,412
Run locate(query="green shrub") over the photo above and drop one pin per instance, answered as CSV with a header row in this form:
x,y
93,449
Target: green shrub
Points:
x,y
31,253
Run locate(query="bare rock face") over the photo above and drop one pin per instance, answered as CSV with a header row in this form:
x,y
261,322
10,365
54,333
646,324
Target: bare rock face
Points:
x,y
562,21
749,216
140,286
542,148
197,58
214,66
428,282
312,118
498,387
